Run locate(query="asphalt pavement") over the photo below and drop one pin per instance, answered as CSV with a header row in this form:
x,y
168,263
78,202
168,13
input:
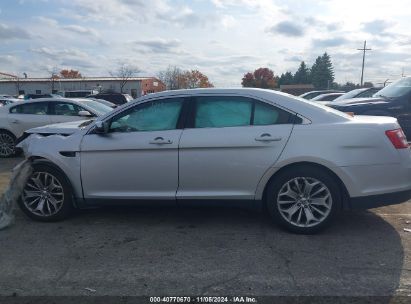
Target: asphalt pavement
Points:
x,y
203,251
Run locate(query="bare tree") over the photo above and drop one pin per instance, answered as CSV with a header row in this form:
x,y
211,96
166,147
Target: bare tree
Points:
x,y
54,77
124,72
172,77
18,84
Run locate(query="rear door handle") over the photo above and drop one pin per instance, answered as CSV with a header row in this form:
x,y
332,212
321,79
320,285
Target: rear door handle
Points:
x,y
161,141
15,121
267,137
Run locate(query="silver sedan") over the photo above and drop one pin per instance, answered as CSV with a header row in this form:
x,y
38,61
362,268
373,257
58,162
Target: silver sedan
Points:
x,y
300,161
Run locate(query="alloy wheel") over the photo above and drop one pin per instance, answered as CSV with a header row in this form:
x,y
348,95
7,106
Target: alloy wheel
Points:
x,y
43,194
304,201
6,145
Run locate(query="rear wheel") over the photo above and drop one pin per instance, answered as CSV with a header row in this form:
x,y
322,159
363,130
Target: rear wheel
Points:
x,y
7,144
47,195
303,199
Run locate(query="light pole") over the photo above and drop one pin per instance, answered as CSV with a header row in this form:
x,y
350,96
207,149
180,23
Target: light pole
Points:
x,y
364,49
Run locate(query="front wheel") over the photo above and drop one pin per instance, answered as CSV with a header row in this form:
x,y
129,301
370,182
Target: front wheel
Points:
x,y
7,144
47,195
303,200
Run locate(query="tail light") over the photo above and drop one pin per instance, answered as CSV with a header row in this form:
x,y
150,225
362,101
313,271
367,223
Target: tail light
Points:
x,y
397,138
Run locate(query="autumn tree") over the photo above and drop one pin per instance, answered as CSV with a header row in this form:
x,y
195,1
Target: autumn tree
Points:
x,y
175,78
260,78
195,79
124,72
248,80
71,74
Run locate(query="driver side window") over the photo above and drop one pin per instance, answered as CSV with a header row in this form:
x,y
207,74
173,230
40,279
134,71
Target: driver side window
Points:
x,y
151,116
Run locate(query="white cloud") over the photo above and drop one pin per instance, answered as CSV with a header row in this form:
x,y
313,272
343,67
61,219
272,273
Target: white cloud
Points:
x,y
222,38
81,30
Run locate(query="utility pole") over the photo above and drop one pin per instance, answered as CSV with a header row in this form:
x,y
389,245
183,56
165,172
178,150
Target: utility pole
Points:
x,y
364,49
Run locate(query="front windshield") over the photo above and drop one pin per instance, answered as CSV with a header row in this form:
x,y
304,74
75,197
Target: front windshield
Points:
x,y
97,106
349,94
399,88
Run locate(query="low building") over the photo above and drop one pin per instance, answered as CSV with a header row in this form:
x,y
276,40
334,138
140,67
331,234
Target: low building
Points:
x,y
296,89
135,86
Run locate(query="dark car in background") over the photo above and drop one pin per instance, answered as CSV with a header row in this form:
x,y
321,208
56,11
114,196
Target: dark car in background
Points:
x,y
36,96
116,98
393,100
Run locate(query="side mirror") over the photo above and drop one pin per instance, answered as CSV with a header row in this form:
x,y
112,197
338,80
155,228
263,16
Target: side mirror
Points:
x,y
84,114
101,127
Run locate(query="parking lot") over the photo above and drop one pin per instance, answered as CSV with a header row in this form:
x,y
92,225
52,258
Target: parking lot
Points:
x,y
188,251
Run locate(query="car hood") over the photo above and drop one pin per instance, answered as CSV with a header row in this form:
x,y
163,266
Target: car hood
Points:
x,y
65,128
357,101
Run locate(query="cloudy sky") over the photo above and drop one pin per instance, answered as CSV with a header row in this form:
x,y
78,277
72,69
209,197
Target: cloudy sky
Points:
x,y
222,38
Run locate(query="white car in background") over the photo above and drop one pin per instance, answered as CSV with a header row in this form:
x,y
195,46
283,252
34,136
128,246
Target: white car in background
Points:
x,y
18,117
302,161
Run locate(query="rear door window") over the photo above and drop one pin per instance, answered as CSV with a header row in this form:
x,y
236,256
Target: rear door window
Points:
x,y
225,111
219,112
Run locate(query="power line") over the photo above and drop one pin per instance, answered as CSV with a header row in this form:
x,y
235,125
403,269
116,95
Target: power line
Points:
x,y
364,49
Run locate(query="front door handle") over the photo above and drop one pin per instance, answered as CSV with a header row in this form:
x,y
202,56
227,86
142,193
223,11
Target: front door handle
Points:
x,y
267,137
161,141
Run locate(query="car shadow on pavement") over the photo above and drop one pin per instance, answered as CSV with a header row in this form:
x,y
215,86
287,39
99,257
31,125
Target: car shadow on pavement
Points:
x,y
200,251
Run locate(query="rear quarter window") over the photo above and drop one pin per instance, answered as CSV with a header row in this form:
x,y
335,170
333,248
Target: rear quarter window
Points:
x,y
35,108
265,114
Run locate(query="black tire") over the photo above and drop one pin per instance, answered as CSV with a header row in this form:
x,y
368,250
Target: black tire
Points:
x,y
66,208
4,135
309,172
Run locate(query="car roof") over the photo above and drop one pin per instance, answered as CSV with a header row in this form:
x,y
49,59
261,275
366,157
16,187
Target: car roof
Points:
x,y
292,103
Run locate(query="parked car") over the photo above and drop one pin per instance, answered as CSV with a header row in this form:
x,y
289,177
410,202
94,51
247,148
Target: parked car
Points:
x,y
76,93
327,97
251,146
394,100
6,101
116,98
105,102
312,94
18,117
359,93
6,96
36,96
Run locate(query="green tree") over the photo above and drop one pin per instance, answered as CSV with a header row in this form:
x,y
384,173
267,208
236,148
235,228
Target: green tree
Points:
x,y
322,72
302,76
286,78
